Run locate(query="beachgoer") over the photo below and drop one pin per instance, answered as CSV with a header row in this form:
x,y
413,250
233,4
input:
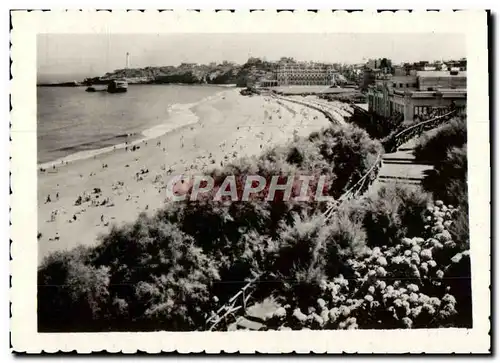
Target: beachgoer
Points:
x,y
102,217
74,217
57,195
48,199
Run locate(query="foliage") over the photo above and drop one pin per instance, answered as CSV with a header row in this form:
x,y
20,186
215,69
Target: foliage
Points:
x,y
167,271
378,127
390,260
71,292
420,282
396,211
433,146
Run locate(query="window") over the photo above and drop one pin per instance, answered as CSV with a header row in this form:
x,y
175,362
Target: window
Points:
x,y
400,85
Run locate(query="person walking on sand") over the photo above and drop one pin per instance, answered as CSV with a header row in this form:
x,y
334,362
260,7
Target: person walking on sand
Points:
x,y
48,199
102,218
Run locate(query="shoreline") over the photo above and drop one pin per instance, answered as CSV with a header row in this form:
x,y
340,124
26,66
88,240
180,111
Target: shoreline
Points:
x,y
89,196
177,110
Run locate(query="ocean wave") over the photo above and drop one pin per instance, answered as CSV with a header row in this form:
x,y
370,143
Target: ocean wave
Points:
x,y
180,115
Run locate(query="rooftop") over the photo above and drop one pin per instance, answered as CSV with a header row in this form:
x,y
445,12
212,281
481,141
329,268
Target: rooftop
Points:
x,y
440,74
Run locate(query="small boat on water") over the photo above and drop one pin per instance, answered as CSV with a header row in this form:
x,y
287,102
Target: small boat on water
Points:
x,y
117,86
90,89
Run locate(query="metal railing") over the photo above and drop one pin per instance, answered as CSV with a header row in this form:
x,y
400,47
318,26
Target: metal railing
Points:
x,y
229,308
409,133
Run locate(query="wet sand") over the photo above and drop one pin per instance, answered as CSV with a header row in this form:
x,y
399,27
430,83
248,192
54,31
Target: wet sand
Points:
x,y
116,186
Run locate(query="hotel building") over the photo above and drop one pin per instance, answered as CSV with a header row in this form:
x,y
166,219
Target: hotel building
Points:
x,y
418,95
305,74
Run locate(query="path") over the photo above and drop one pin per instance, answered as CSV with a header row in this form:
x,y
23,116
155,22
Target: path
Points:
x,y
400,166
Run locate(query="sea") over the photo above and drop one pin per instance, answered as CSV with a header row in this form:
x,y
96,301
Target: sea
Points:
x,y
74,124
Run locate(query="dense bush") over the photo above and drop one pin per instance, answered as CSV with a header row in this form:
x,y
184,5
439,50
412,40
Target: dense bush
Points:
x,y
378,127
434,145
396,211
390,260
72,293
168,271
419,282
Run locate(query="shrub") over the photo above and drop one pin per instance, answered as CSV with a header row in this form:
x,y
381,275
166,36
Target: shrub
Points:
x,y
448,181
161,272
71,293
415,283
395,212
433,146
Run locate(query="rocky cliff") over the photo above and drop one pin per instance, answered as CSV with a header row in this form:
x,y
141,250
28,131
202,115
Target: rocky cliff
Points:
x,y
224,73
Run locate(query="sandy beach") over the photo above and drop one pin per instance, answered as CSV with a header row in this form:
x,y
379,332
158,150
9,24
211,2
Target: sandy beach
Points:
x,y
88,196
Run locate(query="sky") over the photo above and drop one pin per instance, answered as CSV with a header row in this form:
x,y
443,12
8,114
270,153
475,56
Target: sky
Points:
x,y
62,57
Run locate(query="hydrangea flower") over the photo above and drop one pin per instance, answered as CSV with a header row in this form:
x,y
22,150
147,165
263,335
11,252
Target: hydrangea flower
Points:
x,y
382,261
299,315
450,244
334,314
415,312
344,310
432,263
439,274
412,288
381,285
321,303
406,242
407,323
413,298
443,236
429,309
449,299
325,315
431,241
397,260
368,298
426,254
424,299
456,258
381,272
434,301
415,259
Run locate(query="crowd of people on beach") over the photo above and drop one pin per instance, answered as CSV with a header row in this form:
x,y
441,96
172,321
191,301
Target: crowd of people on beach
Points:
x,y
231,148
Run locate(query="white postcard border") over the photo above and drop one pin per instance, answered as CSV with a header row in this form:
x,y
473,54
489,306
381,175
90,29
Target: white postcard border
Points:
x,y
26,25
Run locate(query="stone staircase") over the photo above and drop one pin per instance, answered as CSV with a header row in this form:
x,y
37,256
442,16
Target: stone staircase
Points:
x,y
400,166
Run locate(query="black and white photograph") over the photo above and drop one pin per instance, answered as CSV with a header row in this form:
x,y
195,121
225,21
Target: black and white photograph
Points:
x,y
255,182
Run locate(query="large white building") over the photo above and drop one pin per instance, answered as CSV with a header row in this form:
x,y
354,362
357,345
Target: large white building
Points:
x,y
419,95
305,74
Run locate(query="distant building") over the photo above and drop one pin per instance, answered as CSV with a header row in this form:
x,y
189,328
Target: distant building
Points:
x,y
418,95
289,73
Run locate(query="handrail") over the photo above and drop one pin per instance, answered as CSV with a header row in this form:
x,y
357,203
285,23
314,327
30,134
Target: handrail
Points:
x,y
424,122
347,195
